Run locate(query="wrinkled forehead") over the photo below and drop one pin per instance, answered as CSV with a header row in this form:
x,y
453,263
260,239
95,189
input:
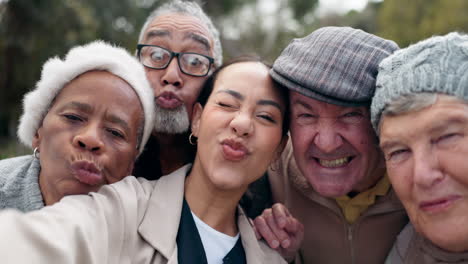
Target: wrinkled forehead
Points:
x,y
179,27
300,101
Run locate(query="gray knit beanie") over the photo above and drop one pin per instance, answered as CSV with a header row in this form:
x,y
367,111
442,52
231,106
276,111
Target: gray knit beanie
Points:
x,y
336,65
435,65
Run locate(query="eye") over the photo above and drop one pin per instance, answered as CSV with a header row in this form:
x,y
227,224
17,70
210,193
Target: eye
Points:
x,y
73,117
306,115
267,118
397,155
447,139
223,104
194,62
158,55
353,117
116,133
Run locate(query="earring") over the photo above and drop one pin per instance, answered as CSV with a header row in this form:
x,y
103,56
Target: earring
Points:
x,y
192,139
36,153
274,166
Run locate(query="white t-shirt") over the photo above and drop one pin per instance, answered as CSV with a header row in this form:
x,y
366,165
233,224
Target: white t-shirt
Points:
x,y
216,244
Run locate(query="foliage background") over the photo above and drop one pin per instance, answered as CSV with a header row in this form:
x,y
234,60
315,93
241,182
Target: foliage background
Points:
x,y
31,31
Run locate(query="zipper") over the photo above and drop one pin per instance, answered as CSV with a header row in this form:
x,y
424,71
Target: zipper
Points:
x,y
351,244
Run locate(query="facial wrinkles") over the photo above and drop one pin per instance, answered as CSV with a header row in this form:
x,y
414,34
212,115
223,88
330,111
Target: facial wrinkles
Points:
x,y
187,26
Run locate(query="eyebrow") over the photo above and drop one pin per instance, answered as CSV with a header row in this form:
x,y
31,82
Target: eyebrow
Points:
x,y
77,105
388,144
157,33
88,109
193,36
119,121
303,104
200,39
269,102
442,125
259,102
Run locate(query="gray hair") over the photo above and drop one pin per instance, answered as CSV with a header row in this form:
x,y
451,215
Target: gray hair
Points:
x,y
408,103
191,9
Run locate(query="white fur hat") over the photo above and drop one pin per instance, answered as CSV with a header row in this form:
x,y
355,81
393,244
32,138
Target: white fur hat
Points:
x,y
56,73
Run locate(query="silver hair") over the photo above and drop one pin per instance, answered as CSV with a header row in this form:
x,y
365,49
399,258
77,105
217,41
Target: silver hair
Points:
x,y
191,9
173,121
408,103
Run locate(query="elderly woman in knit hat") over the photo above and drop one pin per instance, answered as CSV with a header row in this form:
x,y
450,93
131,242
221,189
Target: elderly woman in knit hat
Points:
x,y
420,111
87,120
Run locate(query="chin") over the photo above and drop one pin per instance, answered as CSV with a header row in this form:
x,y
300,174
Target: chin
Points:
x,y
331,190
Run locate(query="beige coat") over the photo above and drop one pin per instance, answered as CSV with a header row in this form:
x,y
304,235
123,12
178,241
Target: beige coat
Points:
x,y
132,221
328,237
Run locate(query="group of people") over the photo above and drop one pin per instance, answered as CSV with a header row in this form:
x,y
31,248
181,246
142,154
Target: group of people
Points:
x,y
358,147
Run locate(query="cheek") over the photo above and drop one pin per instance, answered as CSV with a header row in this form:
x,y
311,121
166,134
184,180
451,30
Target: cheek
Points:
x,y
455,165
120,169
154,78
301,137
401,181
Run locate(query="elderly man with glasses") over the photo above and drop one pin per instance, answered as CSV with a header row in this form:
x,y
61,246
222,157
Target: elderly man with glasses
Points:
x,y
179,47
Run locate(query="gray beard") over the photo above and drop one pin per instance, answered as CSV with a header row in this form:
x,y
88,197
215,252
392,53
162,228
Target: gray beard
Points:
x,y
171,121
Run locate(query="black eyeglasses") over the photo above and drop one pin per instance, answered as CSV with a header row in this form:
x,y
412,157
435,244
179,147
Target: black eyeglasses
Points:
x,y
190,63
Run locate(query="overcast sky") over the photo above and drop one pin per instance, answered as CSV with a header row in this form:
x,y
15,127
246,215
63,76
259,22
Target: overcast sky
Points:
x,y
340,6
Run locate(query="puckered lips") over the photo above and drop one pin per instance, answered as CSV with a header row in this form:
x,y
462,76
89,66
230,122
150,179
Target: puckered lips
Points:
x,y
334,163
168,100
234,150
87,172
438,205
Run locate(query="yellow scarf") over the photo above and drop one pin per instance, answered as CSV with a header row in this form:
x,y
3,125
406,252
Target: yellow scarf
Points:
x,y
353,207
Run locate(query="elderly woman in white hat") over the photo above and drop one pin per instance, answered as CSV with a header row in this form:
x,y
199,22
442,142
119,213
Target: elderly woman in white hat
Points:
x,y
87,120
420,111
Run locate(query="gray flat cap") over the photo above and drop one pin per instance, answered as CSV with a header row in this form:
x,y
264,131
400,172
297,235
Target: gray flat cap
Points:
x,y
336,65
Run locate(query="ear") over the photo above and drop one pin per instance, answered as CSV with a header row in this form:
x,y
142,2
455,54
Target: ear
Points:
x,y
281,147
37,138
196,116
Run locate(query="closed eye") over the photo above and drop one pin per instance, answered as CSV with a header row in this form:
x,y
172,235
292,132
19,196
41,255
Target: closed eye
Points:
x,y
305,115
116,133
396,156
73,117
222,104
268,118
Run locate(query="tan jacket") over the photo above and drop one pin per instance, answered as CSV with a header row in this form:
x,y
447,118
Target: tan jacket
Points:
x,y
132,221
328,237
410,247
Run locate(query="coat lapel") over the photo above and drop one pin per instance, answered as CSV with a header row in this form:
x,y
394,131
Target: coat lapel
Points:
x,y
253,252
161,220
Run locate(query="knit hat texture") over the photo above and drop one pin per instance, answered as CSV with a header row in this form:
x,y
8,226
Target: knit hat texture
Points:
x,y
336,65
57,73
435,65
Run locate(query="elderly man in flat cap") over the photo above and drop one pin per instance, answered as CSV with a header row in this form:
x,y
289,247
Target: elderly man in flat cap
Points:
x,y
332,176
420,112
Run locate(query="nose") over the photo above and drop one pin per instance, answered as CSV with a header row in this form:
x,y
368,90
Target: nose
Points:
x,y
327,138
89,139
426,168
242,125
172,74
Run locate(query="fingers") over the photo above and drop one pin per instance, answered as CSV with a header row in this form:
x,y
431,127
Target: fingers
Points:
x,y
265,231
281,214
257,234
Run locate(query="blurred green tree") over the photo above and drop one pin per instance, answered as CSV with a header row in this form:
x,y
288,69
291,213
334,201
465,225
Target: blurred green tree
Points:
x,y
407,22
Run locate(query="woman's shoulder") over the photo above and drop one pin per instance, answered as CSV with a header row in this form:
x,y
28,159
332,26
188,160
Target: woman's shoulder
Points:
x,y
13,168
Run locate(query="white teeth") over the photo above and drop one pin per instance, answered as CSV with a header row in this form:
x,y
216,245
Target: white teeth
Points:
x,y
333,163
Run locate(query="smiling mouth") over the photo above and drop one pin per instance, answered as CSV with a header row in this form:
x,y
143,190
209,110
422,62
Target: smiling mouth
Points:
x,y
334,163
438,205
